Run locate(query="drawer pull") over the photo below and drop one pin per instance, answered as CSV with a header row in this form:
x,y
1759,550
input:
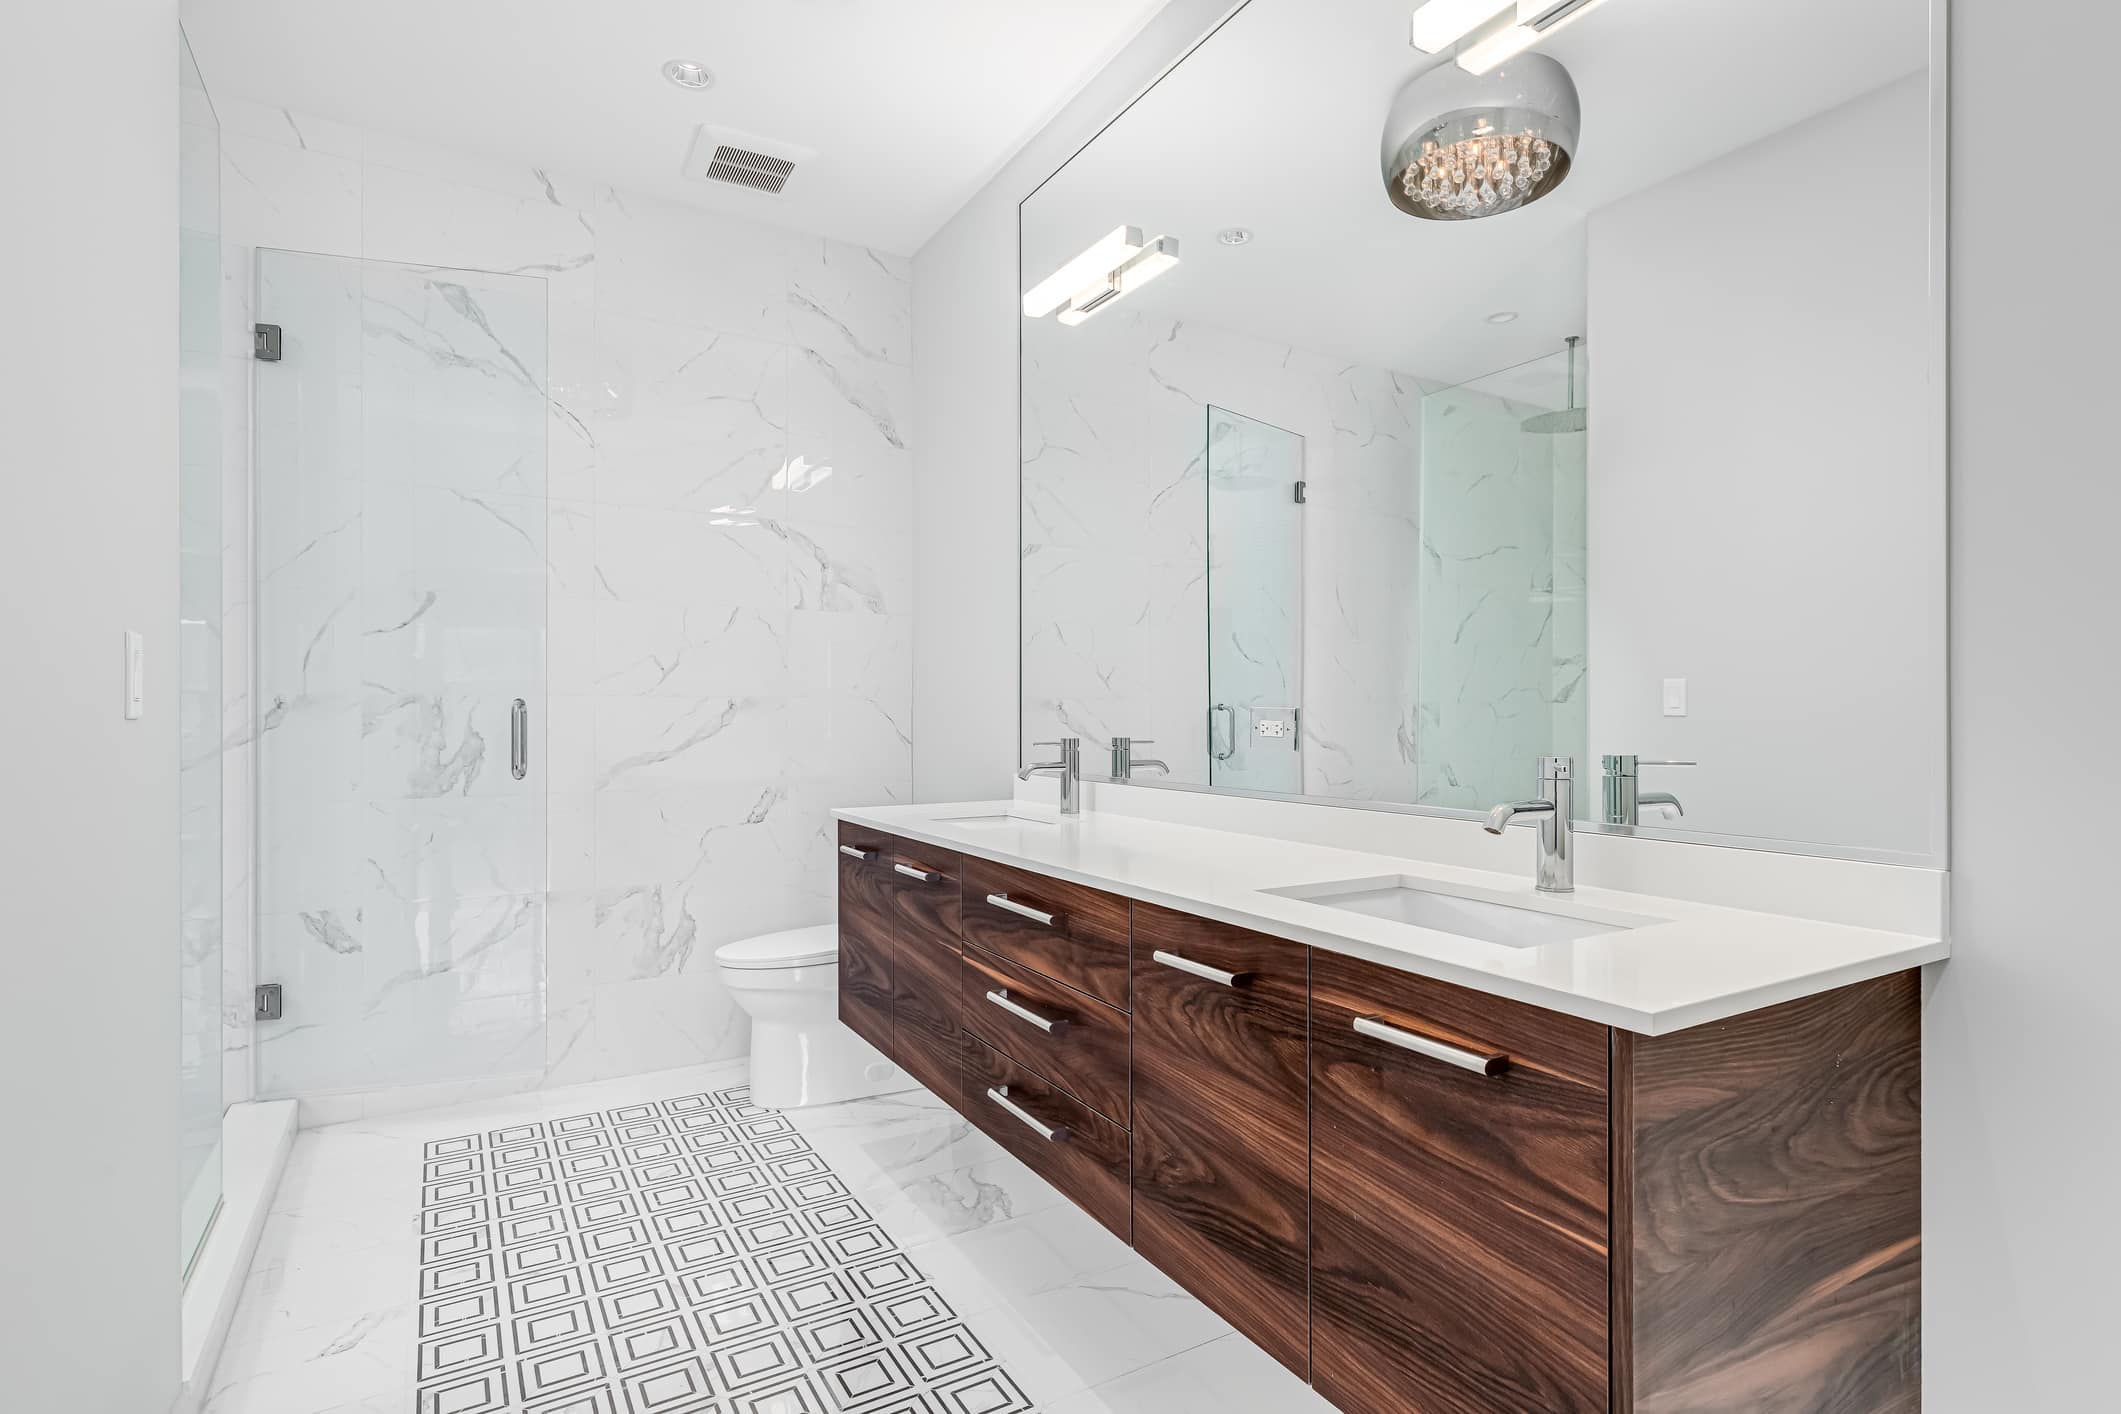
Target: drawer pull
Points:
x,y
1052,1026
865,855
1052,1134
1475,1061
1023,910
1201,969
923,875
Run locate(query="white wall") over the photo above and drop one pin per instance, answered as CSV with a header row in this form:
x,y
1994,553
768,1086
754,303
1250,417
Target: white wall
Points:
x,y
1766,513
88,549
728,649
2022,1143
965,401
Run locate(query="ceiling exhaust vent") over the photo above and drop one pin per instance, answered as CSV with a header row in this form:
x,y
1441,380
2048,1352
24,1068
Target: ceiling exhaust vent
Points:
x,y
739,159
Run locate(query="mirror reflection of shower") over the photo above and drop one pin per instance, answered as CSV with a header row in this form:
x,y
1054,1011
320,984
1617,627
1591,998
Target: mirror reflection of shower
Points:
x,y
1503,617
1255,472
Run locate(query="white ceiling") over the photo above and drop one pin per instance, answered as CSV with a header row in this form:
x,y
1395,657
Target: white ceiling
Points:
x,y
912,105
1275,123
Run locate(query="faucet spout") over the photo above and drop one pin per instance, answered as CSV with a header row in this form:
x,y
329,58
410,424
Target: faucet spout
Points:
x,y
1502,815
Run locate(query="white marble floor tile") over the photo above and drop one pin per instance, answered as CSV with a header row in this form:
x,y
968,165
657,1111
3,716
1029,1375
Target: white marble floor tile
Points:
x,y
655,1242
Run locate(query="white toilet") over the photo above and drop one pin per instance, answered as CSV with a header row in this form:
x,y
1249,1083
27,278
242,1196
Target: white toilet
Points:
x,y
800,1053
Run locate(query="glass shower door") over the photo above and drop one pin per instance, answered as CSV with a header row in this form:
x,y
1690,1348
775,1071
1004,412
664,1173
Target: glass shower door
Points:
x,y
1255,604
199,728
400,524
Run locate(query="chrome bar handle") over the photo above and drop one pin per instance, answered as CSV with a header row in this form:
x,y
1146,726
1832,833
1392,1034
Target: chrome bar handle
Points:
x,y
1023,910
1475,1061
1051,1025
864,855
1052,1134
1230,736
1201,969
519,739
912,873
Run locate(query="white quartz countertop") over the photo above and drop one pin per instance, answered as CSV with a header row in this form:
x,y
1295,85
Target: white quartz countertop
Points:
x,y
1685,963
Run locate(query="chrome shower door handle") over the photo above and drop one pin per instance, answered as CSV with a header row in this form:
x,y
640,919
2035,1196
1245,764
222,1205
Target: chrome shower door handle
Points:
x,y
519,739
1230,736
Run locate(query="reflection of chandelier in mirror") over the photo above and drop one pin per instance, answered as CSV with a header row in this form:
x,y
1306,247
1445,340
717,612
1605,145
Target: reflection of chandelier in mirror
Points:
x,y
1460,146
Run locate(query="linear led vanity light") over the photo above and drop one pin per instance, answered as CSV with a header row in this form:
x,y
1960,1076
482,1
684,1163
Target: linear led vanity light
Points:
x,y
1442,23
1534,21
1153,260
1095,264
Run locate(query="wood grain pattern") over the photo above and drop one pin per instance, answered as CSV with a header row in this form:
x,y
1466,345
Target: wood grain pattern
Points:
x,y
1090,1164
932,906
865,935
1087,1056
1775,1234
925,1026
1458,1222
1086,947
1222,1162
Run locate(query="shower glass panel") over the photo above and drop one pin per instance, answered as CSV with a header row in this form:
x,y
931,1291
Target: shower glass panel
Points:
x,y
199,621
400,525
1502,586
1255,604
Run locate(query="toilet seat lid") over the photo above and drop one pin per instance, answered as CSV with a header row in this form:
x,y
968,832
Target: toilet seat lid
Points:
x,y
798,947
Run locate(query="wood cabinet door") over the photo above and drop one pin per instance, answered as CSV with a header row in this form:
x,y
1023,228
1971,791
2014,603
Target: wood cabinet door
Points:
x,y
865,858
1221,1122
1459,1220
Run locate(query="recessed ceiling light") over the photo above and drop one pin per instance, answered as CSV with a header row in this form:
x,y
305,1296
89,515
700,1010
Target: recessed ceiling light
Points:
x,y
686,74
1236,235
1502,316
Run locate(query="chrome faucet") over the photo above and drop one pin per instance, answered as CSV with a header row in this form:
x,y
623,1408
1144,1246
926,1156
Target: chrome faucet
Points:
x,y
1069,768
1624,798
1125,762
1557,830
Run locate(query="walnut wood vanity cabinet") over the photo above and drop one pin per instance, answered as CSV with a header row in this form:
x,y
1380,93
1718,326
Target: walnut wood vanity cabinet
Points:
x,y
1422,1198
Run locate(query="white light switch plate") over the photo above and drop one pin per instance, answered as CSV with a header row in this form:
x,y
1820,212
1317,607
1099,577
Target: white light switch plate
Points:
x,y
1675,697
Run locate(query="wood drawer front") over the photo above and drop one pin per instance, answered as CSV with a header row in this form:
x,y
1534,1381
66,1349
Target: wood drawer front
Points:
x,y
1459,1222
1087,1158
927,883
1222,1161
865,933
1086,1052
1084,946
924,983
935,1060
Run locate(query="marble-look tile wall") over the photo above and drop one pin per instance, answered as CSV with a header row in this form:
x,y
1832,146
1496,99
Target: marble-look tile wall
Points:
x,y
727,547
1115,520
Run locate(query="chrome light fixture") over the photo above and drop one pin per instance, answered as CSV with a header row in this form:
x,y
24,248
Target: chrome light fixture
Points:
x,y
1460,146
1114,267
1499,29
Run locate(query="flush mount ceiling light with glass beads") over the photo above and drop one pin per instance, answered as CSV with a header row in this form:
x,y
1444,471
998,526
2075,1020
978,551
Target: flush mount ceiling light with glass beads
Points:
x,y
1461,146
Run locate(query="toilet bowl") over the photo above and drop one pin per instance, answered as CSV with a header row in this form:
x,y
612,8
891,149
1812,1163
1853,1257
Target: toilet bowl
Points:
x,y
788,983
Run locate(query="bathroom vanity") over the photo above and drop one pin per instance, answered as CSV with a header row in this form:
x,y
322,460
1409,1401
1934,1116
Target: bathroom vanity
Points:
x,y
1426,1154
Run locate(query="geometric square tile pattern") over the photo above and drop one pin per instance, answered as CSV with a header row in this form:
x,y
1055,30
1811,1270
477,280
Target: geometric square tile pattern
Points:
x,y
686,1256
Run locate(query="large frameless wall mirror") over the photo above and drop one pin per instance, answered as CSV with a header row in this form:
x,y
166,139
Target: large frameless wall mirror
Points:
x,y
1393,419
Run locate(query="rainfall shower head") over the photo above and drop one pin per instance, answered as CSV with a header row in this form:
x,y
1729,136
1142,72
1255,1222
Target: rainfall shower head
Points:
x,y
1569,419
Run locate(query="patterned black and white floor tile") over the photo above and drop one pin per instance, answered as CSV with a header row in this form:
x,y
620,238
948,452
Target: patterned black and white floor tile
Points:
x,y
686,1256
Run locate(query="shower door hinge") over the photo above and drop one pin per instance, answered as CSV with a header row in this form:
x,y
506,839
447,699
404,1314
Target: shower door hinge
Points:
x,y
1300,488
270,1001
265,343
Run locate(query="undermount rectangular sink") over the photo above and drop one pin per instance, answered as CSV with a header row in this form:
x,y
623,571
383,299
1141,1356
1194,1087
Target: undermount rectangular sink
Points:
x,y
990,822
1436,907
